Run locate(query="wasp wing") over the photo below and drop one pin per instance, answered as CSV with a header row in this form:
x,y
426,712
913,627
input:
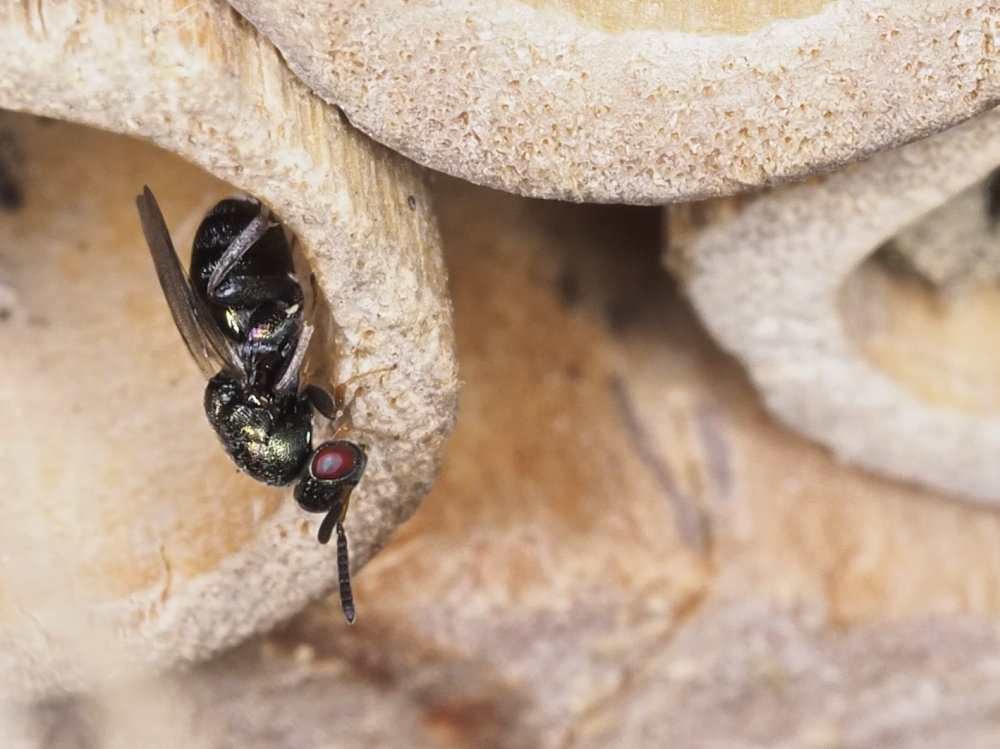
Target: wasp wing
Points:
x,y
208,346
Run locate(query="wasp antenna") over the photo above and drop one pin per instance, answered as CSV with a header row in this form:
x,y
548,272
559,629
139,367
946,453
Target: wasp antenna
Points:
x,y
344,570
326,527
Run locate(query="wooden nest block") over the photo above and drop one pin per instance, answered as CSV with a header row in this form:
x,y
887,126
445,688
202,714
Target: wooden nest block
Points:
x,y
888,357
129,538
640,102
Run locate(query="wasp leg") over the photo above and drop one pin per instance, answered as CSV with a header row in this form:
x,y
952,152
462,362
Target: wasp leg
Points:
x,y
337,408
340,413
321,400
340,392
294,366
246,239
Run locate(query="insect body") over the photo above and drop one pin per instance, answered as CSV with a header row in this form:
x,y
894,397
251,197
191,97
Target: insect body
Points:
x,y
241,314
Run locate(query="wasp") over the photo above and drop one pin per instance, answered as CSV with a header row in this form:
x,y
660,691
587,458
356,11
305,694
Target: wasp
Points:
x,y
240,310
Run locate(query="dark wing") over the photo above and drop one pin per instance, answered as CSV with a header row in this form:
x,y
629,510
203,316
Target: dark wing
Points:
x,y
210,349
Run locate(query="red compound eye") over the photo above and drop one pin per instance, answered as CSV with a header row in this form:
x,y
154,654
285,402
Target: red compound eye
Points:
x,y
334,460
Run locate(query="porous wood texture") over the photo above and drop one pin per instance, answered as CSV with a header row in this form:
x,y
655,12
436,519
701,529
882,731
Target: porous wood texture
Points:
x,y
955,247
640,102
130,540
875,365
622,550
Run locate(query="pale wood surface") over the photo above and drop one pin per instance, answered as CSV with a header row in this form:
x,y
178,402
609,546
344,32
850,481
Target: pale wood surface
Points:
x,y
698,16
130,539
622,102
622,550
778,284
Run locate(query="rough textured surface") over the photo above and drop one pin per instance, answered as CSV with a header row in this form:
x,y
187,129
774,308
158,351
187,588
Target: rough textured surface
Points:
x,y
540,101
771,285
741,676
621,549
129,538
957,245
697,16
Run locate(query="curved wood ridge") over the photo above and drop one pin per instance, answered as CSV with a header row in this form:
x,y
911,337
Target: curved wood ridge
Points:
x,y
779,285
132,539
629,102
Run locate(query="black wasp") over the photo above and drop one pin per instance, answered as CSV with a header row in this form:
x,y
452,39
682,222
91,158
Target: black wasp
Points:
x,y
241,315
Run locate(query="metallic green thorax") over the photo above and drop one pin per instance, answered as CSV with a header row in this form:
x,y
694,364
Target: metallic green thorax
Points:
x,y
268,436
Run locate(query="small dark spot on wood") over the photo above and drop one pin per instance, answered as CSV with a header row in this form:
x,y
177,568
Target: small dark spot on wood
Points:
x,y
11,190
465,723
11,196
569,289
620,314
573,372
411,202
993,197
64,722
